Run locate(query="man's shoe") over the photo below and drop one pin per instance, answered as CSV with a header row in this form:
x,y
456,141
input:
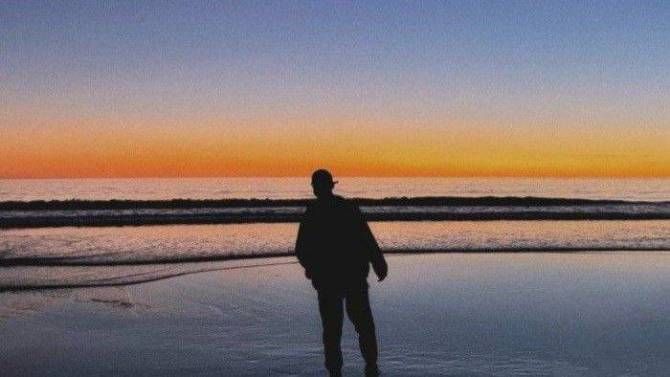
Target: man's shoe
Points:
x,y
335,373
372,371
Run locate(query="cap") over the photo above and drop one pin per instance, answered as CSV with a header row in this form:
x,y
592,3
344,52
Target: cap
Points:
x,y
322,175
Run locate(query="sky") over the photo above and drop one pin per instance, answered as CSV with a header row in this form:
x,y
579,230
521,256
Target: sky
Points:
x,y
245,88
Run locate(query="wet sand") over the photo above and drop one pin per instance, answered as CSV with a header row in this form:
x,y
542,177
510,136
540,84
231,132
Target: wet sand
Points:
x,y
521,314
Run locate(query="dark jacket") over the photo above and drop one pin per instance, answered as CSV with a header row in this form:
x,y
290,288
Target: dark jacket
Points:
x,y
335,244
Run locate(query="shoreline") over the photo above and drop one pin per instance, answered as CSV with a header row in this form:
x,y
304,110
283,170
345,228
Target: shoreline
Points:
x,y
70,262
156,271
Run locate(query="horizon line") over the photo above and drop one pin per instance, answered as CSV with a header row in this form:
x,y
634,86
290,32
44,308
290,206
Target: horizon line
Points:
x,y
349,176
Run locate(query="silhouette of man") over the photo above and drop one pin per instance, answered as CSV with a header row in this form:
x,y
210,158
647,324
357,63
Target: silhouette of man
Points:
x,y
336,247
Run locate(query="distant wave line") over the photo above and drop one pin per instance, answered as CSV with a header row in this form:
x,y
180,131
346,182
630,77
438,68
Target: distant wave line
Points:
x,y
78,213
76,204
271,217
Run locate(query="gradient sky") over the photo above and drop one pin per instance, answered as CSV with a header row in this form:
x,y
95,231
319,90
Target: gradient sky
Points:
x,y
505,88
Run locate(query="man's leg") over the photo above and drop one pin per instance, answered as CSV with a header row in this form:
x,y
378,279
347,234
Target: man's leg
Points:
x,y
330,307
360,314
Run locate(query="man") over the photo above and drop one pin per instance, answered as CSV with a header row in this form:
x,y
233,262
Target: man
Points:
x,y
336,247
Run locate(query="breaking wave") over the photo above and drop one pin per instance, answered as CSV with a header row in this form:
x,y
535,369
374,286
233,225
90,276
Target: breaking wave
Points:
x,y
35,214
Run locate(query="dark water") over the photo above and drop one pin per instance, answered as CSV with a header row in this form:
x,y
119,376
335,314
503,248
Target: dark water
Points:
x,y
112,202
114,213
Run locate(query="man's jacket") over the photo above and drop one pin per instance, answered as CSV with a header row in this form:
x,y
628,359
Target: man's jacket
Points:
x,y
335,244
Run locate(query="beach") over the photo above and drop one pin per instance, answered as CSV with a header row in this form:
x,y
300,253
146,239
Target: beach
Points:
x,y
459,314
491,277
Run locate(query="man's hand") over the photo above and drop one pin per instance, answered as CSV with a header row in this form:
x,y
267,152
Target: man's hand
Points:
x,y
382,271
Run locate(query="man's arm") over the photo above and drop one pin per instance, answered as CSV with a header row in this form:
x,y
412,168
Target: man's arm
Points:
x,y
302,245
375,255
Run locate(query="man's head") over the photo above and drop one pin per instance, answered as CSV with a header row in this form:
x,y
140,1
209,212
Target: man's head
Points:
x,y
322,183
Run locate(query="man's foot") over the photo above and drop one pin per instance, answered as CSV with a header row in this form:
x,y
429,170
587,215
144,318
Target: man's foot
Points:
x,y
335,373
372,371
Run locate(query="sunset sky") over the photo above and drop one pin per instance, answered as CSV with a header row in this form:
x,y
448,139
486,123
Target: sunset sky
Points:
x,y
466,88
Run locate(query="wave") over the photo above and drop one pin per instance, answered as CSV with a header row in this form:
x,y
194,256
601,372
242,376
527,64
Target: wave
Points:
x,y
127,276
101,256
75,204
35,214
33,275
93,262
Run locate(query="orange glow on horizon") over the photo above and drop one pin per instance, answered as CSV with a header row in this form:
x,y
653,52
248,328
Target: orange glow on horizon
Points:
x,y
88,149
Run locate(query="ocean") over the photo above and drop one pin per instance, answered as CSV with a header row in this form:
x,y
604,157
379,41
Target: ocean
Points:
x,y
89,232
503,277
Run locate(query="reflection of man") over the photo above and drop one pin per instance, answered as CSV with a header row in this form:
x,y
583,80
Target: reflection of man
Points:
x,y
336,247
